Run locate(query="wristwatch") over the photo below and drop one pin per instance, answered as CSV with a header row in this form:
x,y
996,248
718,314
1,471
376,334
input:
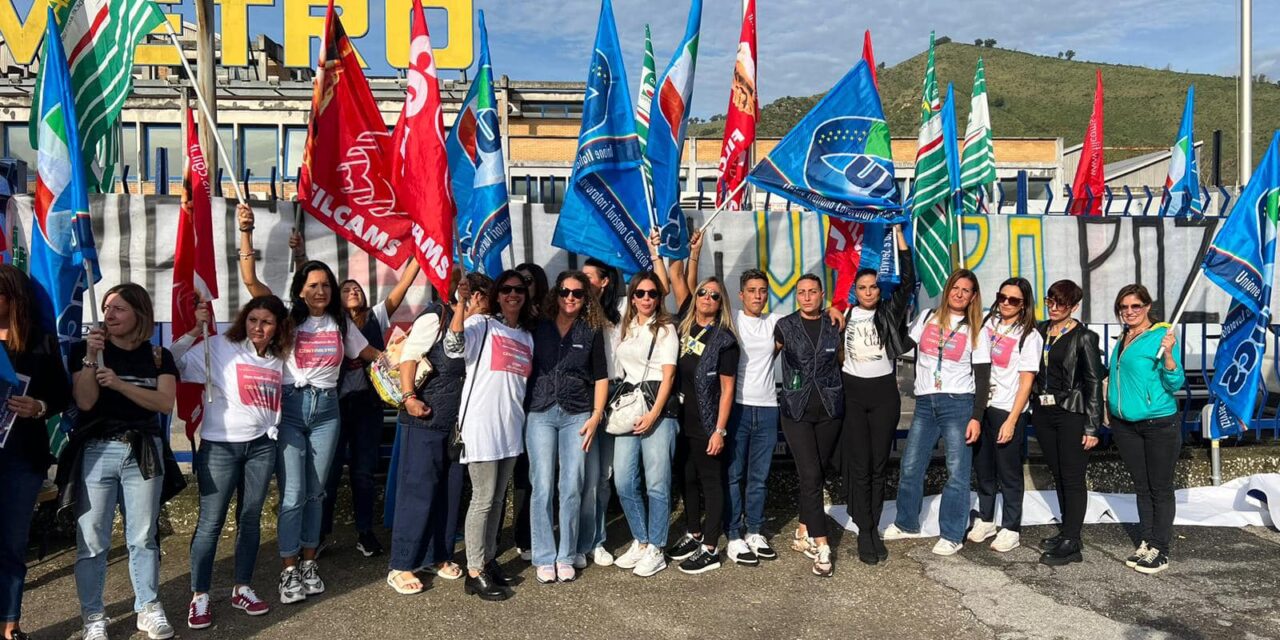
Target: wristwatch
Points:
x,y
722,433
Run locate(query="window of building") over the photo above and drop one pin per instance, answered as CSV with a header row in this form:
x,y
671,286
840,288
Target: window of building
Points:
x,y
551,109
520,187
162,136
552,192
17,144
258,149
129,152
295,144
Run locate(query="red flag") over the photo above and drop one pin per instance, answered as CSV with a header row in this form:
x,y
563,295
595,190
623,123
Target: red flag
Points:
x,y
419,164
1089,173
844,240
740,122
195,276
344,181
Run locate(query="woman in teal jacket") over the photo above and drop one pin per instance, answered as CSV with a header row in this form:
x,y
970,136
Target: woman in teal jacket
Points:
x,y
1145,371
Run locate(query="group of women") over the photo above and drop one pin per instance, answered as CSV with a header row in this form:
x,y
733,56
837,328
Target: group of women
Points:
x,y
588,393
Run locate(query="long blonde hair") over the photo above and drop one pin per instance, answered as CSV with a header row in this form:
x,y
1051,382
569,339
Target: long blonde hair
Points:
x,y
972,314
661,317
724,317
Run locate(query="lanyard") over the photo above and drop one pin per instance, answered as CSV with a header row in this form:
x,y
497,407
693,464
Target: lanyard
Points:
x,y
1048,344
943,344
693,340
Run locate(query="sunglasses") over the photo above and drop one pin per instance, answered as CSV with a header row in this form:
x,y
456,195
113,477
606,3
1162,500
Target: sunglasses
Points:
x,y
1132,308
1013,301
714,295
1055,304
576,294
651,294
508,289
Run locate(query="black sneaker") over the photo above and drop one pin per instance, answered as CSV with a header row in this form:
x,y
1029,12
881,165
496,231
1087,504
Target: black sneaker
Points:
x,y
685,547
368,545
1051,542
760,546
702,561
1137,555
1154,561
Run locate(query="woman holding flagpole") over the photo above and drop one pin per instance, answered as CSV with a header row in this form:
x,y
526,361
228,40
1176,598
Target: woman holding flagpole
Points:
x,y
24,456
309,426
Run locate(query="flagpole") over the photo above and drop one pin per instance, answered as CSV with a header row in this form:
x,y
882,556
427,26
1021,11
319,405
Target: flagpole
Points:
x,y
1182,306
724,203
205,111
93,304
1246,91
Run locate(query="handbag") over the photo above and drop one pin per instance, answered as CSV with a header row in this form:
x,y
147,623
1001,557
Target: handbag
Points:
x,y
629,404
458,448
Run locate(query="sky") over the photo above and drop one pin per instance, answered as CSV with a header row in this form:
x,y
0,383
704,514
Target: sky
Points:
x,y
806,45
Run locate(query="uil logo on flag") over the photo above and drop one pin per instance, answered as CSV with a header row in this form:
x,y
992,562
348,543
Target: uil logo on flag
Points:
x,y
478,134
849,156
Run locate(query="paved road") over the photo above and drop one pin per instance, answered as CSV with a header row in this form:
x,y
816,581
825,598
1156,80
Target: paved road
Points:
x,y
1223,584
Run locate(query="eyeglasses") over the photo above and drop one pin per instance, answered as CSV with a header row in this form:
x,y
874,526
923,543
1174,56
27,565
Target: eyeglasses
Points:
x,y
1055,304
576,294
704,293
508,289
651,294
1013,301
1132,308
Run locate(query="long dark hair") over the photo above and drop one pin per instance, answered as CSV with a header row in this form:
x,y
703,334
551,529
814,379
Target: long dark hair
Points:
x,y
661,317
283,338
24,323
298,309
527,316
609,294
537,280
1027,316
591,312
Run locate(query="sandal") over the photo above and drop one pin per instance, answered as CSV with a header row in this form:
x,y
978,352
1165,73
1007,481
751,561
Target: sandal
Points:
x,y
804,544
448,571
822,565
403,586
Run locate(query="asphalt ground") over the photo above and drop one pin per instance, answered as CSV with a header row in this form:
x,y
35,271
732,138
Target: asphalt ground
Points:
x,y
1222,583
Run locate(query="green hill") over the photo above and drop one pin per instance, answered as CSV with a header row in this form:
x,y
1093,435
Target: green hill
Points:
x,y
1040,96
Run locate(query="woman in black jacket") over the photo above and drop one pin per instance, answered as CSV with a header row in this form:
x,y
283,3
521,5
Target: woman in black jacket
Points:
x,y
875,335
24,449
1067,401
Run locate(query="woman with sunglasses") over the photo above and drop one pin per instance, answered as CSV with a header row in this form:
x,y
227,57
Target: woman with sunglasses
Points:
x,y
597,483
953,371
498,350
706,373
1144,374
645,358
1068,411
875,336
1016,348
567,395
536,278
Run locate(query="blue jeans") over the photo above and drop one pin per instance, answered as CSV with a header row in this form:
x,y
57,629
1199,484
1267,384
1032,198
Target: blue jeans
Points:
x,y
360,438
222,469
429,490
596,491
21,485
308,440
551,438
753,435
111,476
655,450
938,416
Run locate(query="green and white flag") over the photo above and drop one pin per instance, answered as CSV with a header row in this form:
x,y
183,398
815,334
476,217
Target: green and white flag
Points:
x,y
648,86
978,161
100,37
931,202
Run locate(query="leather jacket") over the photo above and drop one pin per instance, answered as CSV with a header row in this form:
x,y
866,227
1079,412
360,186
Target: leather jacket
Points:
x,y
891,314
1076,371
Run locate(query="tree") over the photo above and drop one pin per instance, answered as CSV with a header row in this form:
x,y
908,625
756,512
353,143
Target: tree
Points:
x,y
989,43
1070,54
977,42
1059,54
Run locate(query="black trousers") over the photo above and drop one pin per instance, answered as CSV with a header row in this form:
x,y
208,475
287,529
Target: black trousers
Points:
x,y
812,444
1150,451
521,498
999,467
704,478
1061,437
872,408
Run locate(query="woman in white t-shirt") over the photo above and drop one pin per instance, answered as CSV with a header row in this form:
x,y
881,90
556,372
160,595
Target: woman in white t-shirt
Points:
x,y
237,453
1016,347
498,350
953,360
309,420
645,357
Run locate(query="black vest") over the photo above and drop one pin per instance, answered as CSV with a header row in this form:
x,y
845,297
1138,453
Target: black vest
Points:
x,y
818,365
442,391
563,377
706,383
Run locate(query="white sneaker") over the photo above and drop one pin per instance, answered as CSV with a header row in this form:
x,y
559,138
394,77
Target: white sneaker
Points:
x,y
740,553
579,561
654,561
525,554
312,585
894,533
1006,541
602,557
632,557
291,590
154,622
946,547
95,628
982,530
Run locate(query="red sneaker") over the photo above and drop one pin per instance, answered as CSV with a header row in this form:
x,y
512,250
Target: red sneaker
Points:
x,y
199,616
244,599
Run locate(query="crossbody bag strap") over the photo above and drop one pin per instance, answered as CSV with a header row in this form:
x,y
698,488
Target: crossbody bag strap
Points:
x,y
474,369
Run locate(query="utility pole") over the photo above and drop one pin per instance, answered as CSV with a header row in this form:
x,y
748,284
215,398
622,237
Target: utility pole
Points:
x,y
207,76
1246,91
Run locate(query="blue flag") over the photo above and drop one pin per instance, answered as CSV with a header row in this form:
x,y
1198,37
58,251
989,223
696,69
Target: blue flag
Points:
x,y
879,251
479,178
1182,187
837,160
62,247
605,209
1241,260
951,141
669,118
